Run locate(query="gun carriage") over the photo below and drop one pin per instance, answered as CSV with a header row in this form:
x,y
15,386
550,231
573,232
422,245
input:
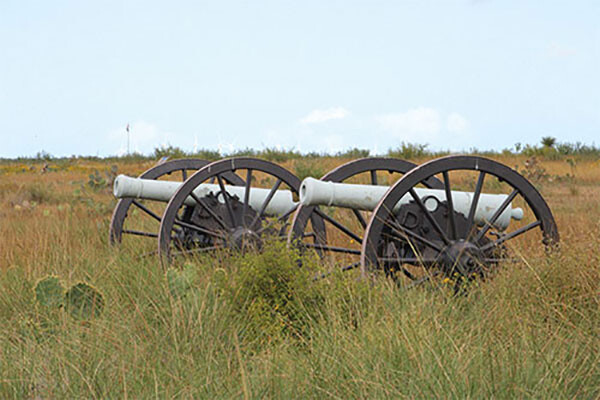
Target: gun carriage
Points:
x,y
449,216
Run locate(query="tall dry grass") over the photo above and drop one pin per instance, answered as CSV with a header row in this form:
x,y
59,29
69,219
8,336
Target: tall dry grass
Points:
x,y
531,331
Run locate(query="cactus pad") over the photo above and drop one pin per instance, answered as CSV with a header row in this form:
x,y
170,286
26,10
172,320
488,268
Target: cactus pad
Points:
x,y
49,292
83,301
180,281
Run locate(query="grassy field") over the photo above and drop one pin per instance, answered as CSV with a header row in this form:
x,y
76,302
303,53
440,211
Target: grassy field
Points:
x,y
257,326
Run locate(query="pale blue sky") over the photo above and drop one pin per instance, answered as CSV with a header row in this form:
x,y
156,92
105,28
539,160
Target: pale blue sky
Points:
x,y
309,75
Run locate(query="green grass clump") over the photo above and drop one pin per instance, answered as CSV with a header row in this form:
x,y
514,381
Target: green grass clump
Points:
x,y
308,168
271,296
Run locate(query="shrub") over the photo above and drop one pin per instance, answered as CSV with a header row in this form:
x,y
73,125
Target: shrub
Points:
x,y
205,154
548,141
276,155
169,151
533,171
409,151
353,153
247,152
271,294
306,168
97,181
41,193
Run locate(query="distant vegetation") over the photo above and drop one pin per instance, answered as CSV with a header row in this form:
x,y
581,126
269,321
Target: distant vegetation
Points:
x,y
549,149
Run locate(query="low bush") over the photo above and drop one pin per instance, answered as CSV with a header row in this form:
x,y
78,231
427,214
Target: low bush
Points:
x,y
271,295
353,153
306,168
408,151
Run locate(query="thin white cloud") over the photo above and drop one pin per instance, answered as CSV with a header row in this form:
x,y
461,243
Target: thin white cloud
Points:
x,y
559,50
456,123
421,120
318,116
425,125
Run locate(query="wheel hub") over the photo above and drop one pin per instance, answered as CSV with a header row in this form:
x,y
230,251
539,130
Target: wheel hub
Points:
x,y
244,239
463,257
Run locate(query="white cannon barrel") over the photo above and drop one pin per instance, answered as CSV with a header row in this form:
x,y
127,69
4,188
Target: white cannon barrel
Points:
x,y
366,197
149,189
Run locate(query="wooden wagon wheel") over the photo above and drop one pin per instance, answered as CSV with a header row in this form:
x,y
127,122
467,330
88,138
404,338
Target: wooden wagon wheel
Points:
x,y
314,235
220,220
442,240
174,170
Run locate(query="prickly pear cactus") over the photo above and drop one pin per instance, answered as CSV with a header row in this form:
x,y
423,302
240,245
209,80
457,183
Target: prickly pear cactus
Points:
x,y
83,301
49,292
180,282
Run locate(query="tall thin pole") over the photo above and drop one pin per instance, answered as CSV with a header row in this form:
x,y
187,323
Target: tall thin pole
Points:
x,y
128,135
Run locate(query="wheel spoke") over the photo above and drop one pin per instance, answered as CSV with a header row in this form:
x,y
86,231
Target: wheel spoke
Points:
x,y
404,233
406,260
430,218
511,235
246,195
424,279
499,211
343,269
373,177
334,249
501,259
338,225
147,254
360,218
349,267
449,201
210,211
267,201
408,274
475,201
279,219
226,199
198,228
400,261
146,210
184,174
194,251
140,233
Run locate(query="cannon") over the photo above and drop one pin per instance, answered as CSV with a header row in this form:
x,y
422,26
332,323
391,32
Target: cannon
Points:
x,y
149,189
124,223
413,237
417,220
228,204
314,192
